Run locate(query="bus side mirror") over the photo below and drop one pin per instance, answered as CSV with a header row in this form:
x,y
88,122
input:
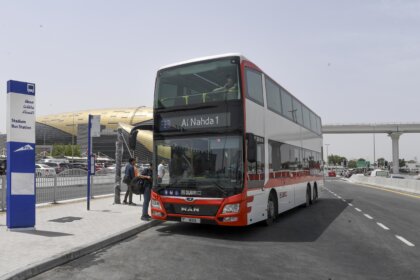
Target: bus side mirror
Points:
x,y
132,141
252,147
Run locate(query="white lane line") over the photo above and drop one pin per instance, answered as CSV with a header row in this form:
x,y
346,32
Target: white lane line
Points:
x,y
339,196
350,204
383,226
368,216
408,243
358,210
343,200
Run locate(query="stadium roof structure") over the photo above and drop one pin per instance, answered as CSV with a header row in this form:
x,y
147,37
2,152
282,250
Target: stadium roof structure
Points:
x,y
110,118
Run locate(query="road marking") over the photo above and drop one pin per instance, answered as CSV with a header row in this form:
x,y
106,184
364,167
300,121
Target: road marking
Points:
x,y
343,200
383,226
368,216
350,204
408,243
339,196
357,209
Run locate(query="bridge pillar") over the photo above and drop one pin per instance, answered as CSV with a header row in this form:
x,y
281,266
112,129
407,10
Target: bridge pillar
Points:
x,y
395,136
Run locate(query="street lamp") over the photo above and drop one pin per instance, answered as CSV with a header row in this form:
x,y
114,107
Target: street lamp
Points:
x,y
328,163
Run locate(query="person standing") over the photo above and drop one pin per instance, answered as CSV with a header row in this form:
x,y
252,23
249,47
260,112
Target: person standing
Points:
x,y
129,170
161,171
147,176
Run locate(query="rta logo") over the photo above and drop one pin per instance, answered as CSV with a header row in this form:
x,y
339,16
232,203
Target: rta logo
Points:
x,y
25,148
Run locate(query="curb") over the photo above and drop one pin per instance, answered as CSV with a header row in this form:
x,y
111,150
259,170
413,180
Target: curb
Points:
x,y
59,259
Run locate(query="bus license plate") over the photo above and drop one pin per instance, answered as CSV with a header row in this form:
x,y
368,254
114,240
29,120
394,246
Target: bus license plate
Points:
x,y
191,220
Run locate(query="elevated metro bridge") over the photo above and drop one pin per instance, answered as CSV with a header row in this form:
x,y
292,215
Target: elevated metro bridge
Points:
x,y
394,130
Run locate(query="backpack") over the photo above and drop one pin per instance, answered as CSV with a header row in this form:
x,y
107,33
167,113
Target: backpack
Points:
x,y
137,185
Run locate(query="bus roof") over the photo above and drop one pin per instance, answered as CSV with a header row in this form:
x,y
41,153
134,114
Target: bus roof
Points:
x,y
202,59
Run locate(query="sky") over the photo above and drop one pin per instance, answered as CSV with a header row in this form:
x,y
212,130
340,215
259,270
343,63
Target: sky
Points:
x,y
351,61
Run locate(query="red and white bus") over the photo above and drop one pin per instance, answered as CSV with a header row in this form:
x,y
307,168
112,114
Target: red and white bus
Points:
x,y
234,147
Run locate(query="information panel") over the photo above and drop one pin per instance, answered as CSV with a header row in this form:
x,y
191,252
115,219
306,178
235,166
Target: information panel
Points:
x,y
20,154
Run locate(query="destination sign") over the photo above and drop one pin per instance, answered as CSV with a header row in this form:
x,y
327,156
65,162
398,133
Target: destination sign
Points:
x,y
216,120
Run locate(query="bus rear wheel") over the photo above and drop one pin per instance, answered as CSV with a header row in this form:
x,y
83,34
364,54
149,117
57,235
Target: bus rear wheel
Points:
x,y
308,197
272,209
315,196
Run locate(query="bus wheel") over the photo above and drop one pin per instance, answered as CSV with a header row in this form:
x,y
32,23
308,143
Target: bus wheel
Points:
x,y
315,197
271,209
308,197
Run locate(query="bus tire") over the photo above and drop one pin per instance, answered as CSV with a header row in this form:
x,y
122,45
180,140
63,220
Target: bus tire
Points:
x,y
315,195
308,196
272,209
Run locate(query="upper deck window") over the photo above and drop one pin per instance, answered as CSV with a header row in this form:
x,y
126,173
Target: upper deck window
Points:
x,y
199,83
273,96
306,117
254,86
297,111
286,101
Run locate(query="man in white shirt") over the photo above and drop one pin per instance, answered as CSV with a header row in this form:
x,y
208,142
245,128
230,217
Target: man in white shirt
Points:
x,y
161,171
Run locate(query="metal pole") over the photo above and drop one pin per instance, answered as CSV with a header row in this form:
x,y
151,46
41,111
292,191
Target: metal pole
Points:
x,y
89,162
55,187
327,154
92,180
118,159
374,149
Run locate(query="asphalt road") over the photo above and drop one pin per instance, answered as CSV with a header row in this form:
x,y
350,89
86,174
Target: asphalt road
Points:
x,y
329,240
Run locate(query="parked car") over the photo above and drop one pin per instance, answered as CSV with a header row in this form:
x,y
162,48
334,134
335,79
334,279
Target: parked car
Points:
x,y
43,170
332,173
379,173
79,166
59,167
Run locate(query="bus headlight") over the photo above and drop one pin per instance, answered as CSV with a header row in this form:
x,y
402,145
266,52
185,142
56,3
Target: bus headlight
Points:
x,y
231,208
156,204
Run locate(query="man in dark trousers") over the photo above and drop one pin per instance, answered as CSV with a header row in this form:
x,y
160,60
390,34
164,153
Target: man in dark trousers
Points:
x,y
129,170
147,176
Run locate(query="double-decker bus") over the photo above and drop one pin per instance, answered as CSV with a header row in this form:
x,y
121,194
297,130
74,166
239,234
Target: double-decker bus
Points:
x,y
235,147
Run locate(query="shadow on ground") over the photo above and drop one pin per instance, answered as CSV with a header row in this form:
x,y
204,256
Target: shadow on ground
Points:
x,y
45,233
298,225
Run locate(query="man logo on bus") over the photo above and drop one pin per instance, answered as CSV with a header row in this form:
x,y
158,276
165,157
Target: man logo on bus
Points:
x,y
190,209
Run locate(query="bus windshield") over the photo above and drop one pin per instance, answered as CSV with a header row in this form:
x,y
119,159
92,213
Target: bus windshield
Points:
x,y
199,83
202,166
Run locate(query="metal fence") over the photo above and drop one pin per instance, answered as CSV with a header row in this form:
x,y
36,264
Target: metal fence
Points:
x,y
69,184
3,193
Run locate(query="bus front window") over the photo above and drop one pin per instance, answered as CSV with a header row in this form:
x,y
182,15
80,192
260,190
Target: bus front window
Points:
x,y
205,82
211,165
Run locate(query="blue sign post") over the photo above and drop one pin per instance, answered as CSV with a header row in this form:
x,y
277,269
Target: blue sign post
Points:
x,y
20,155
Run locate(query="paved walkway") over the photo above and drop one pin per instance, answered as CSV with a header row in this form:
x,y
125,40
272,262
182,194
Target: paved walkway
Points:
x,y
63,228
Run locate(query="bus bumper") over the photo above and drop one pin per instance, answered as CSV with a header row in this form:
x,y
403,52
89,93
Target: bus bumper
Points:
x,y
230,211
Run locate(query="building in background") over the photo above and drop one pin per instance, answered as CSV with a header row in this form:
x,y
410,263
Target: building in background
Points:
x,y
71,128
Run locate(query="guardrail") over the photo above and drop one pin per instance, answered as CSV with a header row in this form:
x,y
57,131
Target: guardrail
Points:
x,y
69,184
407,185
